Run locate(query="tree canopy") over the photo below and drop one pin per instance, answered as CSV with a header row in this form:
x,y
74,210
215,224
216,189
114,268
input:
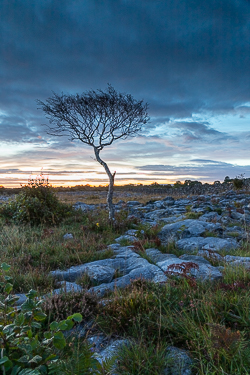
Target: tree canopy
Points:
x,y
96,118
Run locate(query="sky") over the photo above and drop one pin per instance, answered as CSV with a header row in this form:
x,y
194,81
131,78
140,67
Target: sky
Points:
x,y
188,59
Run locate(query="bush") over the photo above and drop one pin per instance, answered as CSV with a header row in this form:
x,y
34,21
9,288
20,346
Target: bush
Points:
x,y
24,346
59,306
35,204
238,183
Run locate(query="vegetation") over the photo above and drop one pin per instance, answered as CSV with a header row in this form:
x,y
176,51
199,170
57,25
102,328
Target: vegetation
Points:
x,y
35,204
26,346
210,321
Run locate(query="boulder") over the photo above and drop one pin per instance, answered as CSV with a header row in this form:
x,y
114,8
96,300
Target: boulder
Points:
x,y
68,236
111,351
67,287
100,271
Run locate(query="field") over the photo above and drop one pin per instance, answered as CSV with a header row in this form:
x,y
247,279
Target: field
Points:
x,y
211,321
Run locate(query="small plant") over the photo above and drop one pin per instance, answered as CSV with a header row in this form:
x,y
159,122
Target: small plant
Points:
x,y
233,234
35,204
146,244
122,313
184,270
209,233
189,208
141,359
225,342
218,210
193,215
59,306
25,349
238,182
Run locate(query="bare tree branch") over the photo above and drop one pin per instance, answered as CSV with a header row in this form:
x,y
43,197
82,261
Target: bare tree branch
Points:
x,y
96,118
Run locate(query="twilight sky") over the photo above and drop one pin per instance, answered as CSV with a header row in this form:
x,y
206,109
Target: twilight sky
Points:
x,y
189,59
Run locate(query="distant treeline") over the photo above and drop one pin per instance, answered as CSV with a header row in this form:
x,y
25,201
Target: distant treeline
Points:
x,y
186,187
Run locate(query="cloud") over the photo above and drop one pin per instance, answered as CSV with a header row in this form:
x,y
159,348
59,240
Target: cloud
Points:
x,y
196,131
189,59
198,169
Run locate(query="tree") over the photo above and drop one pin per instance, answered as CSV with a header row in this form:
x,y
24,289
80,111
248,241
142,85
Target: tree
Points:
x,y
96,118
227,179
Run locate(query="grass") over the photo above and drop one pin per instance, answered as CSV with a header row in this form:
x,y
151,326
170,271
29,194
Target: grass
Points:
x,y
210,321
193,215
35,251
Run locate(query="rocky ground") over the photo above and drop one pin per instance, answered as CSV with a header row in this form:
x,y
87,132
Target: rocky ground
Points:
x,y
206,228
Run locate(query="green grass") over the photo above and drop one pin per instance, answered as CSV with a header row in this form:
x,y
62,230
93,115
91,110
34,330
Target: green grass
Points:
x,y
35,251
193,215
210,321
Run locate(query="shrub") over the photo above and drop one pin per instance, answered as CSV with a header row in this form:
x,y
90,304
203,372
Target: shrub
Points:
x,y
35,204
24,347
238,181
59,306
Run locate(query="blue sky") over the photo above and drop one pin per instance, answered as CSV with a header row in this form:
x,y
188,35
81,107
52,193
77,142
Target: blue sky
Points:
x,y
189,59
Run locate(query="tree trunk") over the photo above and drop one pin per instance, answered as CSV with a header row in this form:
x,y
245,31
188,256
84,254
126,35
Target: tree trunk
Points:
x,y
111,185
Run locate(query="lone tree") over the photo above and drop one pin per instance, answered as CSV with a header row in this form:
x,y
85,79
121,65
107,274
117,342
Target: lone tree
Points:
x,y
96,118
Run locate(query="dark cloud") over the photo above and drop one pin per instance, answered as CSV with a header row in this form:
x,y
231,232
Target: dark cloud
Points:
x,y
180,56
184,57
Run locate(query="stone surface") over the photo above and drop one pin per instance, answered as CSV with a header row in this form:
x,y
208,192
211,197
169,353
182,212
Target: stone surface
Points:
x,y
22,298
188,228
210,255
180,362
194,258
100,271
126,237
210,216
67,287
238,263
83,206
133,203
157,256
68,236
203,273
233,258
224,217
110,352
213,243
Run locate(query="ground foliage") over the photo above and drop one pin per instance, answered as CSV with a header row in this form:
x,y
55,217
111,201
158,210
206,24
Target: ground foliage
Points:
x,y
36,204
211,321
